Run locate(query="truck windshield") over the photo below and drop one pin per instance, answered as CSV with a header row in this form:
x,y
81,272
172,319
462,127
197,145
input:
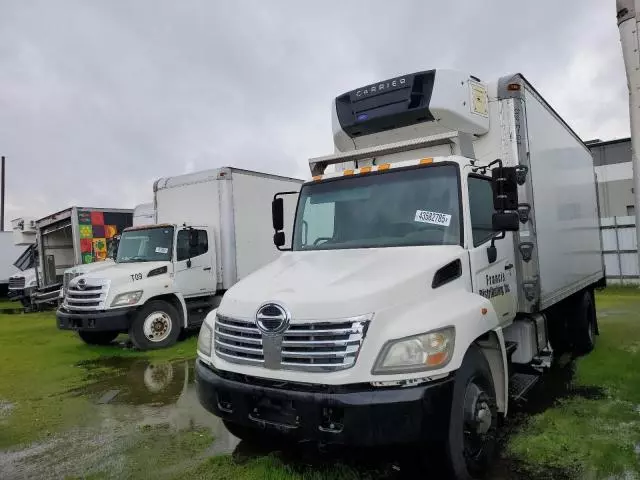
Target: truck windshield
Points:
x,y
408,207
146,245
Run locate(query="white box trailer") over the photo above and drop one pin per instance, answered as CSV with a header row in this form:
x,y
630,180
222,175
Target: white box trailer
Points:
x,y
236,203
440,258
73,236
212,229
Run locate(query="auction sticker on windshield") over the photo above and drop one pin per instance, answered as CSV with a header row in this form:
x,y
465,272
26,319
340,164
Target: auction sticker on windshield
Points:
x,y
434,218
162,250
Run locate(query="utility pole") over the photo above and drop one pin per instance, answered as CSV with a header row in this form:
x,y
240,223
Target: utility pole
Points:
x,y
627,14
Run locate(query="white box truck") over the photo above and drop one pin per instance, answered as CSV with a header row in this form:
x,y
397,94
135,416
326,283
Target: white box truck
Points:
x,y
212,230
23,283
433,274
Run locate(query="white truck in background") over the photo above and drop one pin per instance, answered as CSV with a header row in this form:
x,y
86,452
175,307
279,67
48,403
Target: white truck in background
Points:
x,y
25,282
143,214
212,230
432,276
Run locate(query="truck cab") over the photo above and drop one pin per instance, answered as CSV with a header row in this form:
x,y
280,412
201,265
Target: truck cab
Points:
x,y
412,299
165,267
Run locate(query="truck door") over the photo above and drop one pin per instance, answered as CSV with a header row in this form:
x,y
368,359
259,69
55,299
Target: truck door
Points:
x,y
195,264
493,280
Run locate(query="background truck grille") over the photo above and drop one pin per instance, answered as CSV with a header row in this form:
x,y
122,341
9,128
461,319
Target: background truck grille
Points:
x,y
16,283
325,346
88,298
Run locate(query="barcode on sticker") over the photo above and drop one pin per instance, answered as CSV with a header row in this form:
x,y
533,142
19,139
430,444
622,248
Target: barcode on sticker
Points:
x,y
434,218
162,250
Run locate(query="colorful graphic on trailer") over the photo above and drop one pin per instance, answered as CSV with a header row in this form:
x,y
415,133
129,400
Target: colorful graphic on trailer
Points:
x,y
97,229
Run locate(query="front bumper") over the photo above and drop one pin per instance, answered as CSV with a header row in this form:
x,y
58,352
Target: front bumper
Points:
x,y
353,415
107,321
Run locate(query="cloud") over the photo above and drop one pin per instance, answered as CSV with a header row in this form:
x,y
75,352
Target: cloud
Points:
x,y
98,99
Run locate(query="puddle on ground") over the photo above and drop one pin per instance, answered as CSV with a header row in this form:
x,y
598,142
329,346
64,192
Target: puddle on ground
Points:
x,y
138,402
134,404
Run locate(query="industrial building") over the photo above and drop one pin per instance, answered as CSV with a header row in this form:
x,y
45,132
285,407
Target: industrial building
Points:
x,y
614,173
612,164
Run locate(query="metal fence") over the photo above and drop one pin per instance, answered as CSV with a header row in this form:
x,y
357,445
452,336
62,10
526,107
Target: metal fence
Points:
x,y
620,249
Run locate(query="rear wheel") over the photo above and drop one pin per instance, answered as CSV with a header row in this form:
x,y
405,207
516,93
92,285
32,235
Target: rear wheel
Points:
x,y
471,440
98,338
157,325
583,324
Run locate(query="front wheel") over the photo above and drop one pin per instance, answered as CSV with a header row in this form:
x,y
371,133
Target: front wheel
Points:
x,y
471,440
98,338
156,325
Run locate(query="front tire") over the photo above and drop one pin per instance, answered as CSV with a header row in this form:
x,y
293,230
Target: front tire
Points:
x,y
471,440
156,325
98,338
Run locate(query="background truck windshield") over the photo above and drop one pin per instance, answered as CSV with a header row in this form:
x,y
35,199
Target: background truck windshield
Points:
x,y
146,245
417,206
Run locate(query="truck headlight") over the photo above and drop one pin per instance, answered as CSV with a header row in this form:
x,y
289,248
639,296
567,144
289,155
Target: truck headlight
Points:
x,y
32,283
204,340
416,354
128,298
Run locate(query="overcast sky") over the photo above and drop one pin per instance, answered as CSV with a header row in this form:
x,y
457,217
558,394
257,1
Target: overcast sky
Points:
x,y
100,98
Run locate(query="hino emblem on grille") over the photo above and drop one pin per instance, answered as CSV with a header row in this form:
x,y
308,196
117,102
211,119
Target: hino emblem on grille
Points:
x,y
82,284
272,319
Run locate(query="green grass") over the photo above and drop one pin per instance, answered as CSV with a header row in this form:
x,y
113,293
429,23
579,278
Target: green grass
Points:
x,y
596,437
39,363
266,468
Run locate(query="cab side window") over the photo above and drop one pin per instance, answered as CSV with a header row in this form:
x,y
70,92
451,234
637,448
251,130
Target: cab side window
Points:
x,y
481,209
182,245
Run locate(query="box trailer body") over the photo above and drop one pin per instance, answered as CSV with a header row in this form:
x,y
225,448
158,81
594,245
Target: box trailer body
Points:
x,y
231,201
74,236
212,229
144,214
440,258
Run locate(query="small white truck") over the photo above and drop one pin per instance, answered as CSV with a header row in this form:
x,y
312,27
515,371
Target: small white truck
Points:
x,y
212,230
433,274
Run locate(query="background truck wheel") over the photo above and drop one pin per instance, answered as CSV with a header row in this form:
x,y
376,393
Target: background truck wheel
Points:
x,y
156,325
583,323
98,338
471,441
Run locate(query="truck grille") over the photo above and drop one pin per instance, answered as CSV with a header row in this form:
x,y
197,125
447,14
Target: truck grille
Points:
x,y
91,297
317,346
16,283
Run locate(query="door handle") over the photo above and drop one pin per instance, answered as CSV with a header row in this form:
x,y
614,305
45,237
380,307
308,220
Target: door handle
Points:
x,y
206,268
508,266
